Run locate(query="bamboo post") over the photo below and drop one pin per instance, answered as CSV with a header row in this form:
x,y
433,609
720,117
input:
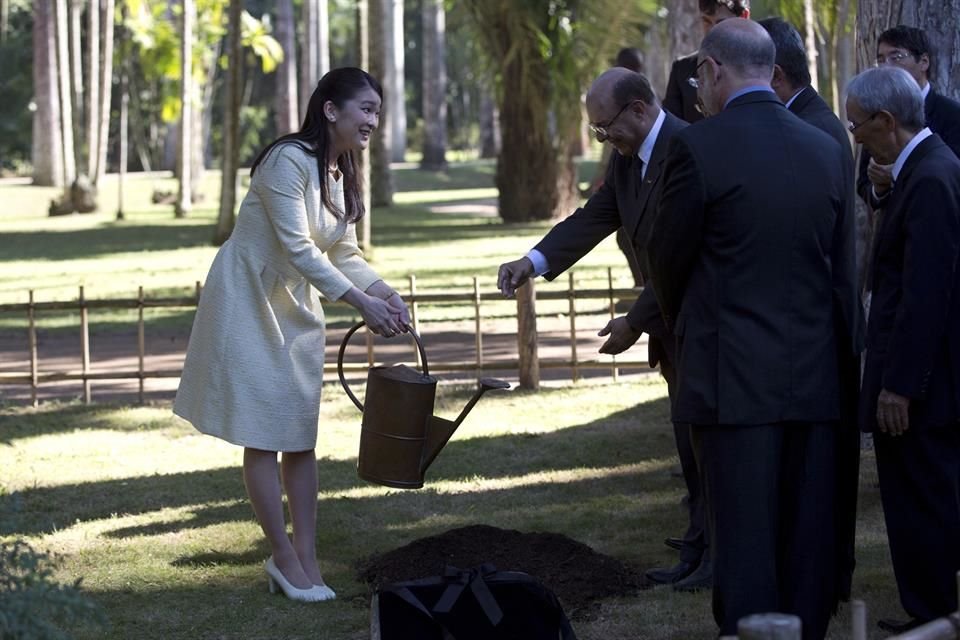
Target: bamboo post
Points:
x,y
529,363
858,615
369,341
32,339
84,347
477,328
769,626
198,289
413,318
573,328
141,342
613,314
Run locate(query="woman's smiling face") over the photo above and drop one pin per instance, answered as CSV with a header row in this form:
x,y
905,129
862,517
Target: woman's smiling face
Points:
x,y
352,124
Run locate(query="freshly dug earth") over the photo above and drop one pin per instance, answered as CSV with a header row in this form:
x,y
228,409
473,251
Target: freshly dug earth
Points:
x,y
574,572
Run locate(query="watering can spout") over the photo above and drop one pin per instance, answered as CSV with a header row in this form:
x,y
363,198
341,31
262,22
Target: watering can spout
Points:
x,y
439,430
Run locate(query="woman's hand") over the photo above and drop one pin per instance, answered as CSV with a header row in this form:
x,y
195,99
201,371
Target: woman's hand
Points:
x,y
400,308
381,317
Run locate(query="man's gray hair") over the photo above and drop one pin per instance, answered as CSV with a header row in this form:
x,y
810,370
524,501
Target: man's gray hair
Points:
x,y
889,89
750,53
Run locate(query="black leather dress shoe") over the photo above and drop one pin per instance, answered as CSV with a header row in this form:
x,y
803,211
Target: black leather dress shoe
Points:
x,y
673,543
700,579
898,626
670,575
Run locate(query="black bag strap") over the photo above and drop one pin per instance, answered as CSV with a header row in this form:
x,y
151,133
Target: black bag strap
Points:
x,y
458,579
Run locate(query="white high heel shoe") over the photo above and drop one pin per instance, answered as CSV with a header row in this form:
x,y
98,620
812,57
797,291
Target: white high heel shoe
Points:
x,y
276,581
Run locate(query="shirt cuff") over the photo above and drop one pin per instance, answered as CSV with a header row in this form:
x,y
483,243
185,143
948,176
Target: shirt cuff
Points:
x,y
539,261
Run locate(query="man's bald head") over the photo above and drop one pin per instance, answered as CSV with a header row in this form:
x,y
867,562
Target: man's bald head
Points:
x,y
619,85
743,46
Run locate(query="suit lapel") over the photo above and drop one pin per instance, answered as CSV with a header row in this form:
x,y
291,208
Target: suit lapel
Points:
x,y
654,171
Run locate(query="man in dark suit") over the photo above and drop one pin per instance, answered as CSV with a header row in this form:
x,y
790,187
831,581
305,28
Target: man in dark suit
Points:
x,y
908,48
624,111
752,268
681,96
791,83
910,398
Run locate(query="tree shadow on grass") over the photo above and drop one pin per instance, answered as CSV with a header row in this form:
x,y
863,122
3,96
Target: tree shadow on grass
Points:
x,y
74,244
619,439
60,417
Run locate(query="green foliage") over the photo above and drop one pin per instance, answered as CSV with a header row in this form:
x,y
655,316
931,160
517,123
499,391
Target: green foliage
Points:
x,y
32,604
16,87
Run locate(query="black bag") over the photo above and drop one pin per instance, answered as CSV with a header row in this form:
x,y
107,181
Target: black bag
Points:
x,y
474,604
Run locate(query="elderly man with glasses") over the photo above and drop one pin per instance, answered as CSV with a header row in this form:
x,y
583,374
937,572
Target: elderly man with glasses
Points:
x,y
910,399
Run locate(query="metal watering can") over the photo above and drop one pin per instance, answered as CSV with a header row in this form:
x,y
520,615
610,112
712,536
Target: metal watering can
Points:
x,y
400,436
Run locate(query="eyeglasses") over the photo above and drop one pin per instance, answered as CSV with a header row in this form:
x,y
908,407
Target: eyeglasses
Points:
x,y
892,58
852,126
600,128
692,80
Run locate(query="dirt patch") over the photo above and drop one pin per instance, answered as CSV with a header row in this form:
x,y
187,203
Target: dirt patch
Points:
x,y
577,574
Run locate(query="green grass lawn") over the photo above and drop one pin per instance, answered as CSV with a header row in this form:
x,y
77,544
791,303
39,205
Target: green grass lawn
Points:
x,y
154,518
153,515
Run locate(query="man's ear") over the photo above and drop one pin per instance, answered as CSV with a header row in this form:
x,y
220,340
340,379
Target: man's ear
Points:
x,y
925,63
778,77
746,14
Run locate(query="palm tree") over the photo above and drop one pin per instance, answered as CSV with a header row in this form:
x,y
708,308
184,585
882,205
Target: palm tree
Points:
x,y
231,126
46,142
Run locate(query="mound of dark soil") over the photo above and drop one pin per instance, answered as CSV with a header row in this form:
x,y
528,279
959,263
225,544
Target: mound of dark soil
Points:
x,y
573,571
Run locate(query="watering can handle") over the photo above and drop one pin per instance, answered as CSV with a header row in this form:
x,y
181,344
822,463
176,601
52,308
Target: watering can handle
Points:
x,y
343,348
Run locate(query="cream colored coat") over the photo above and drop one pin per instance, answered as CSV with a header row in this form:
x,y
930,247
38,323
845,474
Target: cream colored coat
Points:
x,y
254,363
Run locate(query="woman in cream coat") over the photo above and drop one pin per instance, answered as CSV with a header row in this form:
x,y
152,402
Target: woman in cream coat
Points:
x,y
254,364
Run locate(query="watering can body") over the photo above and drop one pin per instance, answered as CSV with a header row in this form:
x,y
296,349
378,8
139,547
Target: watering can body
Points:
x,y
400,436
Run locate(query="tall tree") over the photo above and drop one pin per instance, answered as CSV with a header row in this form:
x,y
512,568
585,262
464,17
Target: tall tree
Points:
x,y
184,148
286,105
543,53
66,103
92,98
106,82
316,49
47,143
365,239
77,92
434,85
231,127
381,179
394,81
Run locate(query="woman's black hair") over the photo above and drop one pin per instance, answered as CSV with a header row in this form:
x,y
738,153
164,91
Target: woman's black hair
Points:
x,y
338,86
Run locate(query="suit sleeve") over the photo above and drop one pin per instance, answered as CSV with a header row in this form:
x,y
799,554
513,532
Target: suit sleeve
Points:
x,y
645,314
932,243
677,231
673,100
579,233
844,262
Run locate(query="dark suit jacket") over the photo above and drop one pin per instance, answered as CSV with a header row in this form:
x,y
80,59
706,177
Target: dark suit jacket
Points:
x,y
913,335
942,116
810,107
622,201
747,254
681,98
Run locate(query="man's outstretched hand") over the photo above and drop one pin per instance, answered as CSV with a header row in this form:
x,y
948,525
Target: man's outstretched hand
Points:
x,y
512,275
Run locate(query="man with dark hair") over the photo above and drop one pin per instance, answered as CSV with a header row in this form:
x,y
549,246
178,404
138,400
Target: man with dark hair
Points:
x,y
754,271
624,111
630,58
681,96
908,48
910,398
791,83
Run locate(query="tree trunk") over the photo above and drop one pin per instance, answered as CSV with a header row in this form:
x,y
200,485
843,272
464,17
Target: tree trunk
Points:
x,y
489,125
316,49
810,31
845,44
66,107
106,93
381,180
365,239
936,17
46,143
286,106
683,22
4,20
74,31
394,81
434,86
92,98
231,128
184,159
